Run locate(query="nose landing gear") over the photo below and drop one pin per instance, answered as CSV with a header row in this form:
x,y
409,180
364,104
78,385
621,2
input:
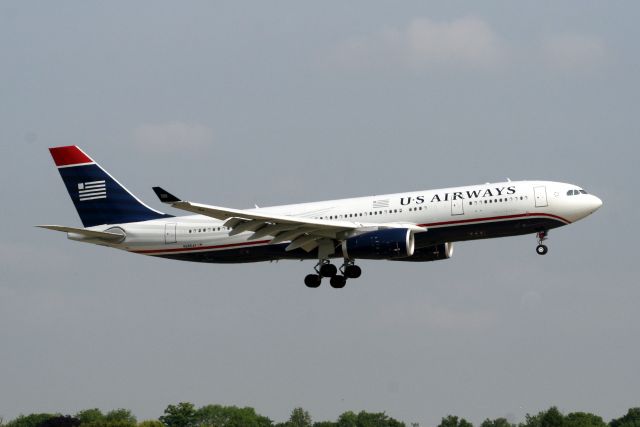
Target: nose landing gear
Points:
x,y
542,249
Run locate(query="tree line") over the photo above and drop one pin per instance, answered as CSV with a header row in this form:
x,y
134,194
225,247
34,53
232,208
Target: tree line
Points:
x,y
185,414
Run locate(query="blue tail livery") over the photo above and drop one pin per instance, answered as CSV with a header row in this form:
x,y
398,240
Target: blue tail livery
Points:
x,y
98,197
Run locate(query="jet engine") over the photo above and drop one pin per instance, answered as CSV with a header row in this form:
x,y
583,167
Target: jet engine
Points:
x,y
431,253
389,243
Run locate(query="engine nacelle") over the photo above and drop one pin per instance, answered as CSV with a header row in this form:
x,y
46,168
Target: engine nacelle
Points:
x,y
389,243
431,253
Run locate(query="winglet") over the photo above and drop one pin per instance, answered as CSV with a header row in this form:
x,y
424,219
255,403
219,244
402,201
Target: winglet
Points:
x,y
165,196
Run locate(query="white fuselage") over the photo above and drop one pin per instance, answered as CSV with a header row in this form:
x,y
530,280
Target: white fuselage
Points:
x,y
445,215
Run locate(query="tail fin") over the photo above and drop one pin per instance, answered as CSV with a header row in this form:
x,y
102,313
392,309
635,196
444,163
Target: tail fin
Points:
x,y
97,196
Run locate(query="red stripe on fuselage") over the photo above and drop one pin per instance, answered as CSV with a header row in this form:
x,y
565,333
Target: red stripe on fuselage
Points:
x,y
493,218
69,155
200,248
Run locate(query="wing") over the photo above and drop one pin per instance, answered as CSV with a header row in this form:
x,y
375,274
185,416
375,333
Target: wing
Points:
x,y
305,233
302,232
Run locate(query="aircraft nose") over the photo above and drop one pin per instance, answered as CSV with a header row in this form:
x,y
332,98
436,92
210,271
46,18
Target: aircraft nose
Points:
x,y
595,203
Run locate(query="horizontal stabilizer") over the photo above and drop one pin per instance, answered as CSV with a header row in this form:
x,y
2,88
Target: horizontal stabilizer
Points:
x,y
104,235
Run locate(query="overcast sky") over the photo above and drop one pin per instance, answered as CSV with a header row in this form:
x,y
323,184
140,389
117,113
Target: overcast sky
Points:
x,y
239,103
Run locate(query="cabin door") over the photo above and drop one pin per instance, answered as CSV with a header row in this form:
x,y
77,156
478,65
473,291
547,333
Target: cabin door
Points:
x,y
541,196
457,207
170,233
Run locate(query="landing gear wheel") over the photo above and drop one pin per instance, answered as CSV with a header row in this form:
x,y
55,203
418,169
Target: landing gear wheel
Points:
x,y
542,249
312,280
338,281
328,270
352,271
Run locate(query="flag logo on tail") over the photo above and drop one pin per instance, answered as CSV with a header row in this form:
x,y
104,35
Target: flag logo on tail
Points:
x,y
92,190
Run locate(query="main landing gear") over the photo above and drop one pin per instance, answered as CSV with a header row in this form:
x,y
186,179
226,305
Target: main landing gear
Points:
x,y
324,268
542,249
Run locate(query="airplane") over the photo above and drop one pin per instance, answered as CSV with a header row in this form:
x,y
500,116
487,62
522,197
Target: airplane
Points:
x,y
415,226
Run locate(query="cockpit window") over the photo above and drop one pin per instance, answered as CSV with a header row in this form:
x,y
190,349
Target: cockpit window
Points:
x,y
583,192
570,193
576,192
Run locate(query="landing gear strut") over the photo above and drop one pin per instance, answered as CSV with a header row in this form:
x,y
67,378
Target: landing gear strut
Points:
x,y
542,249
